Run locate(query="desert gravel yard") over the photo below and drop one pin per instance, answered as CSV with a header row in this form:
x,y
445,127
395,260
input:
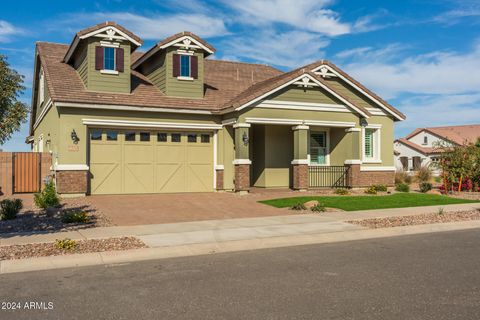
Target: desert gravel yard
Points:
x,y
412,220
36,250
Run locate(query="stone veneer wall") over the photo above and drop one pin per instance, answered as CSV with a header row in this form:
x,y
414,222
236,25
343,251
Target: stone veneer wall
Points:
x,y
242,177
74,181
219,183
359,178
300,177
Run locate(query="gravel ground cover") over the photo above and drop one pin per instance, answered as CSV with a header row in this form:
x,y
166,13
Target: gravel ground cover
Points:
x,y
35,250
34,219
412,220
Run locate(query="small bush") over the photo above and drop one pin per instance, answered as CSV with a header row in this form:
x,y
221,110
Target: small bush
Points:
x,y
10,208
437,179
298,206
408,179
400,176
381,188
440,211
402,187
342,191
424,174
318,208
47,197
65,244
75,217
370,190
425,187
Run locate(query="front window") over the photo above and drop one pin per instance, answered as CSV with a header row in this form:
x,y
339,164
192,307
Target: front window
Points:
x,y
185,66
318,147
369,143
108,58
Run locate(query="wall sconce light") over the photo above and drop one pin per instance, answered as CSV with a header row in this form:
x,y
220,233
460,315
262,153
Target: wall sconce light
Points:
x,y
363,122
245,138
74,136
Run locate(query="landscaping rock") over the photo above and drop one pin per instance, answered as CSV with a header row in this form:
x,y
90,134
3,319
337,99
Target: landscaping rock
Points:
x,y
311,203
434,191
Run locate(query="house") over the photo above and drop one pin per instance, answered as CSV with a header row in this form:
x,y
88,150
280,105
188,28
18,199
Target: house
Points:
x,y
120,121
422,147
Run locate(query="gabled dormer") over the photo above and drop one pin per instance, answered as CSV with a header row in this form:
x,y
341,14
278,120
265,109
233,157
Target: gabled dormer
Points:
x,y
102,56
176,65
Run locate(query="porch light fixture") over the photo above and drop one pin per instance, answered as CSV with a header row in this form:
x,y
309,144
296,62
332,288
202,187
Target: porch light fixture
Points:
x,y
74,136
245,138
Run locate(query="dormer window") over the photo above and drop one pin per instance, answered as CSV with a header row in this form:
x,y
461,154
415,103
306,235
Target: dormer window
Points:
x,y
109,59
185,66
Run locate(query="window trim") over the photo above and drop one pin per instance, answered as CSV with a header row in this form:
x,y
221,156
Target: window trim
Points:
x,y
376,144
327,147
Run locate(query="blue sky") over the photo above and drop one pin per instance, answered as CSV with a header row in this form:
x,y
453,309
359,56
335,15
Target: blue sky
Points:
x,y
422,56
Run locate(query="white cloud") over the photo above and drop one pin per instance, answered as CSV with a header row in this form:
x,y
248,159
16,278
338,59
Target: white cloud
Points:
x,y
289,49
7,30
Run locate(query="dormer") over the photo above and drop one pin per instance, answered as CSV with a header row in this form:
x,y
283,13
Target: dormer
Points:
x,y
176,65
102,56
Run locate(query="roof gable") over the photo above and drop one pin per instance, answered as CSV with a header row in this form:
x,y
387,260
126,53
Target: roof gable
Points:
x,y
456,134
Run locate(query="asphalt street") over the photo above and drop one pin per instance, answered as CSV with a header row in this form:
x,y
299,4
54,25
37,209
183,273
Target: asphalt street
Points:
x,y
431,276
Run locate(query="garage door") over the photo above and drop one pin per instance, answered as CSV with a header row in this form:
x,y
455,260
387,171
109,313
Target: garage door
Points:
x,y
124,162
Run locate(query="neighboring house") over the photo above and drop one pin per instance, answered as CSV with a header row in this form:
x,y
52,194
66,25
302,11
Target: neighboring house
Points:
x,y
119,121
422,146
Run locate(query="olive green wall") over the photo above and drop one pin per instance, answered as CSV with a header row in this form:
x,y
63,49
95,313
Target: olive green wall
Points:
x,y
311,95
80,61
49,128
226,155
42,105
183,88
341,146
258,156
353,95
386,140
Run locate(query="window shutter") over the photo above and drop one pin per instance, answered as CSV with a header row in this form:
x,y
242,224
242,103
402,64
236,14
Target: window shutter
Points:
x,y
98,58
194,67
176,65
119,55
404,161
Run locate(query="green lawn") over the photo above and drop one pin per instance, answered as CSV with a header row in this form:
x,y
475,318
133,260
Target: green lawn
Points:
x,y
352,203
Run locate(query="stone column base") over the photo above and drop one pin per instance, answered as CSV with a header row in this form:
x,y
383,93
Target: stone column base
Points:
x,y
72,181
300,177
219,179
242,177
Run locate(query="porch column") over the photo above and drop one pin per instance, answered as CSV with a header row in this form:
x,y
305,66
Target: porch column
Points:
x,y
242,157
300,157
355,159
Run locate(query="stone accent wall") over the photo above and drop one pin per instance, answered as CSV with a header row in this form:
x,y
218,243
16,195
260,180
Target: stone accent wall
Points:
x,y
71,181
359,178
219,185
242,177
300,177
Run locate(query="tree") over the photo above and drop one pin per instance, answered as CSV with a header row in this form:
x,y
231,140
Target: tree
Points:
x,y
12,112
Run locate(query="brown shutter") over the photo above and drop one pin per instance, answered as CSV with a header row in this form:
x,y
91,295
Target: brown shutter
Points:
x,y
119,59
404,161
176,65
98,58
194,67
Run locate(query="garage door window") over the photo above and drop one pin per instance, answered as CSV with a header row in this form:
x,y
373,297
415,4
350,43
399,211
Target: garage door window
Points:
x,y
129,136
144,136
205,138
161,137
96,135
112,135
176,137
192,137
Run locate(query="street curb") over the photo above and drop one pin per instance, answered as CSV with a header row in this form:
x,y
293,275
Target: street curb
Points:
x,y
116,257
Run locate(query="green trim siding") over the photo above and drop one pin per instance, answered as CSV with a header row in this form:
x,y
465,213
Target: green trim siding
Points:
x,y
184,88
352,94
155,70
49,128
80,61
310,95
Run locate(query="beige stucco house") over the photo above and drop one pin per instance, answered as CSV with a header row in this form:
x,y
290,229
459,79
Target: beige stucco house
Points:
x,y
119,121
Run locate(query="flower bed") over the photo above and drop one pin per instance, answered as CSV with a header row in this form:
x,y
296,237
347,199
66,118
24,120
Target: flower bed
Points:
x,y
35,250
427,218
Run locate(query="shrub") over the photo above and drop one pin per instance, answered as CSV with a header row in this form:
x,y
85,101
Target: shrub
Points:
x,y
381,188
408,179
10,208
402,187
370,190
400,176
342,191
75,217
47,197
425,187
440,211
424,174
437,179
65,244
318,208
298,206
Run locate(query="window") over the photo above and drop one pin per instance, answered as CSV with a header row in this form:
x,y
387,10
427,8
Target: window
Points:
x,y
369,143
144,136
129,136
425,140
192,137
205,138
112,135
185,66
318,147
96,135
161,137
176,137
108,58
41,87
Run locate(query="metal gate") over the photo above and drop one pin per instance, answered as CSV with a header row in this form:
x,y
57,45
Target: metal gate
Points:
x,y
328,176
26,172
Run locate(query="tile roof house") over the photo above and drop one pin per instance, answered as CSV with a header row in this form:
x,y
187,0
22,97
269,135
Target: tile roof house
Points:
x,y
422,146
171,119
